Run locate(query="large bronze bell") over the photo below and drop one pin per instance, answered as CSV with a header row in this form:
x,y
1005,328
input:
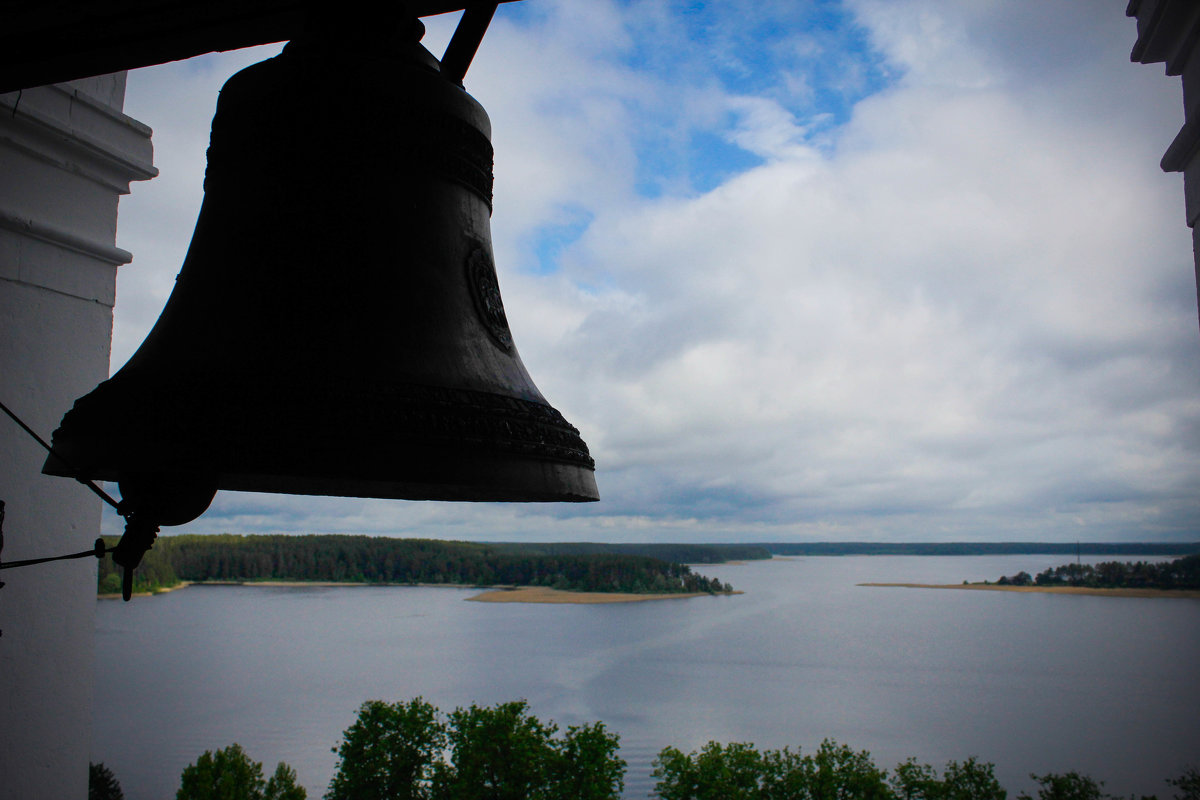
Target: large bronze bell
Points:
x,y
336,328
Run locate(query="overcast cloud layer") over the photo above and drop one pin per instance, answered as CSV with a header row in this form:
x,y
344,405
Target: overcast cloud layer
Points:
x,y
807,271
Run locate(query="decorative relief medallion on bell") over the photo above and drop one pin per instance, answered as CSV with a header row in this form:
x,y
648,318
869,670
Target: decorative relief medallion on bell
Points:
x,y
485,291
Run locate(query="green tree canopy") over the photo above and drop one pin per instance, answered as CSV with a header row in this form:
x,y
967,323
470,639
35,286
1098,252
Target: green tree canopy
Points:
x,y
102,784
971,780
1067,786
389,752
968,780
282,785
1187,785
230,774
407,751
586,766
715,772
834,772
498,753
738,771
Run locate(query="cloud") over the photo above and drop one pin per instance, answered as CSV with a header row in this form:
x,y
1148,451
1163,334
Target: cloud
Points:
x,y
948,296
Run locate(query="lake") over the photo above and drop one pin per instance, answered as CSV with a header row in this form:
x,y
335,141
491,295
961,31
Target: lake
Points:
x,y
1031,682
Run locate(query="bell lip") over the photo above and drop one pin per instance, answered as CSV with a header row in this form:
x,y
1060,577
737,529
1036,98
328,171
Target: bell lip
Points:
x,y
426,474
477,481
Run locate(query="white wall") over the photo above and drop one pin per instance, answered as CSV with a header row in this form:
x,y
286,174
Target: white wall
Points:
x,y
66,154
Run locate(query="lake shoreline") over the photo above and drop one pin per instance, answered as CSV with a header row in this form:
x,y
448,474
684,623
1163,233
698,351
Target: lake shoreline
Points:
x,y
1077,590
488,594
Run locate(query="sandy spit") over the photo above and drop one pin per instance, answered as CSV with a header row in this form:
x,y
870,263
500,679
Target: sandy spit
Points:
x,y
992,587
117,596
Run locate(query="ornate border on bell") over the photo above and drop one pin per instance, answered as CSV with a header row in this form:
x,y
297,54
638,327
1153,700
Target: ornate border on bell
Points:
x,y
444,417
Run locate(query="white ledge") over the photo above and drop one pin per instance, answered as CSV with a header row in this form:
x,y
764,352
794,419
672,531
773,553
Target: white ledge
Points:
x,y
64,239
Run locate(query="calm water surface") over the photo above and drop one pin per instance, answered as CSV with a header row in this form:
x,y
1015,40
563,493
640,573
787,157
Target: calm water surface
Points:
x,y
1031,682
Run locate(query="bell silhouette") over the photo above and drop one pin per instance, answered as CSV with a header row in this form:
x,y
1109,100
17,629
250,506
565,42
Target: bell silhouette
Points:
x,y
336,328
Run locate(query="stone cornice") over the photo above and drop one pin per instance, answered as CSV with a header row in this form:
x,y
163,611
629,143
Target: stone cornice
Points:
x,y
1168,31
1183,148
65,127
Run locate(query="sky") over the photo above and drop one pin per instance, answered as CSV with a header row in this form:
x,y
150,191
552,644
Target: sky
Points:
x,y
870,270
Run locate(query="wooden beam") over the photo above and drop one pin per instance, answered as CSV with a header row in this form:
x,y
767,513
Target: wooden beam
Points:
x,y
60,40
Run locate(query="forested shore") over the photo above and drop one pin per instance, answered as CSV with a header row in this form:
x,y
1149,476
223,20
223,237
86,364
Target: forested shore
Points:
x,y
1182,573
641,568
979,548
383,560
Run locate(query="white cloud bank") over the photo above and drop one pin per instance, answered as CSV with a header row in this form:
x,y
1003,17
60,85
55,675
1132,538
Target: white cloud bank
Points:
x,y
965,312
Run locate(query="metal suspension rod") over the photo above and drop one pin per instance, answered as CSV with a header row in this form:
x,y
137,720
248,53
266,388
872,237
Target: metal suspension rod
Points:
x,y
466,39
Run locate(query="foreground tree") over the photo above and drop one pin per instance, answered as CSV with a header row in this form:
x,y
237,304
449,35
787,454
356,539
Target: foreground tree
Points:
x,y
968,780
406,751
586,765
913,781
1067,786
971,780
230,774
102,784
739,772
282,785
1187,785
388,753
500,753
716,772
836,772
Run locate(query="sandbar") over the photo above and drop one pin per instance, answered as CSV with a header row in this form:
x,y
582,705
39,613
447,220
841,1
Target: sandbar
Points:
x,y
1086,590
160,590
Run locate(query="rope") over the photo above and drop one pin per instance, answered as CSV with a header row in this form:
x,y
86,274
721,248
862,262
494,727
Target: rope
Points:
x,y
98,551
139,534
86,482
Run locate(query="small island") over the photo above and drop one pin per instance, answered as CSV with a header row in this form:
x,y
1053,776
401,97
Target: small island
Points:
x,y
1178,578
582,572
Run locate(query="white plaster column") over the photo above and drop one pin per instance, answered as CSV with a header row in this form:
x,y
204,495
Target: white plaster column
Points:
x,y
66,155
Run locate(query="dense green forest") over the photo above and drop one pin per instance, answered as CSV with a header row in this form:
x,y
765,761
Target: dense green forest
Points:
x,y
413,751
375,559
980,548
580,566
1182,573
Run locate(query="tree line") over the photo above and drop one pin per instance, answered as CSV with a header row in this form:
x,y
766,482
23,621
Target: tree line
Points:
x,y
372,559
980,548
412,751
1182,573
